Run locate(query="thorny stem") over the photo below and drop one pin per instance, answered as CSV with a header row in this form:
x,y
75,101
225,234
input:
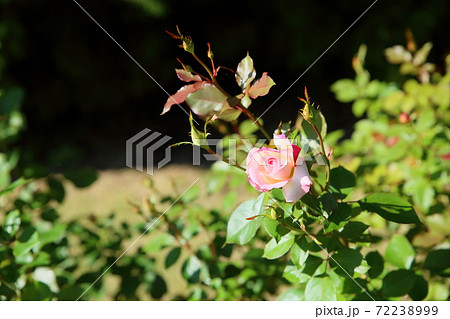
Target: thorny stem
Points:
x,y
239,106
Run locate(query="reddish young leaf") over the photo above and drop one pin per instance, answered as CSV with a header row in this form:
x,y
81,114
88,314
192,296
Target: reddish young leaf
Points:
x,y
261,86
181,95
187,76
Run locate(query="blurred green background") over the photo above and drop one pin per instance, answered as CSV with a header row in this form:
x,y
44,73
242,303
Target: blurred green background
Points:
x,y
82,93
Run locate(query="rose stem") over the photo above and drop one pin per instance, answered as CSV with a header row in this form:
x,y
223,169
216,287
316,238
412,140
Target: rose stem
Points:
x,y
324,155
240,106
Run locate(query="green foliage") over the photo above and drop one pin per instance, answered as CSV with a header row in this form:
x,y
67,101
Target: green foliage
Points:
x,y
401,146
353,236
390,207
320,289
240,229
399,252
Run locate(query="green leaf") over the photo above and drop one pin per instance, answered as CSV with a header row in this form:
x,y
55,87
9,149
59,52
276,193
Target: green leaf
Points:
x,y
360,106
275,250
342,181
339,218
420,289
328,202
191,194
228,114
239,229
300,252
82,177
172,257
353,230
421,55
312,266
191,269
376,263
346,90
12,222
346,258
320,289
292,294
206,101
397,54
349,285
438,260
159,242
398,283
245,72
277,194
17,183
422,191
399,252
56,190
37,291
27,241
52,235
198,137
274,228
158,287
247,127
390,207
70,293
294,275
42,259
311,201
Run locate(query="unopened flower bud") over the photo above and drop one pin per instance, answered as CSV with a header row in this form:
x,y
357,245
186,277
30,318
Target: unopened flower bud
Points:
x,y
273,214
188,45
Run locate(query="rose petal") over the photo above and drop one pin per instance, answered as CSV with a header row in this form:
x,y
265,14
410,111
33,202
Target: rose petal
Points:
x,y
296,150
283,144
299,185
260,173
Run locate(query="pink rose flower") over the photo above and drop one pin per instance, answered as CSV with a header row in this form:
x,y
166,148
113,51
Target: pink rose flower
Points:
x,y
269,168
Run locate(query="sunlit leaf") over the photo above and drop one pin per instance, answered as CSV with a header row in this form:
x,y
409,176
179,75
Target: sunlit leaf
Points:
x,y
239,229
390,207
320,289
206,100
181,95
187,76
261,86
399,252
245,72
276,249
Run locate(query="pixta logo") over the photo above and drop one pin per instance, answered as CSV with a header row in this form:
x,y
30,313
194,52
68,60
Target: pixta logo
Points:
x,y
141,147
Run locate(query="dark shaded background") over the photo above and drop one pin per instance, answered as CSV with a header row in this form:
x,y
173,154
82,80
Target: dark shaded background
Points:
x,y
85,97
